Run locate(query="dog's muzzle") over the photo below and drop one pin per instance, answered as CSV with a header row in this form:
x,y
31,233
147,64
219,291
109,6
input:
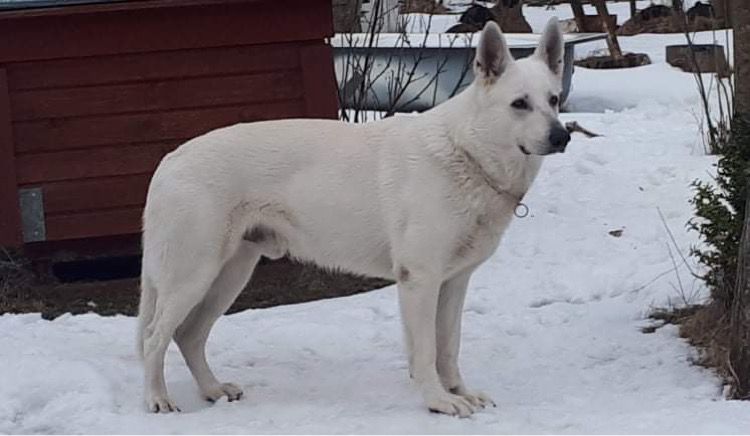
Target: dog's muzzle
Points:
x,y
558,139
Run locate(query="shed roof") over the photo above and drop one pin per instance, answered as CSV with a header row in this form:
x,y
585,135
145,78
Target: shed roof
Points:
x,y
33,4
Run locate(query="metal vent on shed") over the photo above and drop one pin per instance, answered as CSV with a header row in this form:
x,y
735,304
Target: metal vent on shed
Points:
x,y
32,214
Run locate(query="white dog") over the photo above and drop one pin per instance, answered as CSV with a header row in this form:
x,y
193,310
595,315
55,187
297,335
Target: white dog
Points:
x,y
422,200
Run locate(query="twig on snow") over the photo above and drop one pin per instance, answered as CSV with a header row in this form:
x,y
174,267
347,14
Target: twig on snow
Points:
x,y
573,126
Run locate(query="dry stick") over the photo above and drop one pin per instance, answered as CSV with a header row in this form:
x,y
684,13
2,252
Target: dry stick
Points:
x,y
712,131
368,65
410,75
434,79
468,65
343,80
675,268
681,290
573,126
725,119
727,88
436,88
674,242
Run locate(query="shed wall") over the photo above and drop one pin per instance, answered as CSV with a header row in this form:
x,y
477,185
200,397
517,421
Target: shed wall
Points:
x,y
87,120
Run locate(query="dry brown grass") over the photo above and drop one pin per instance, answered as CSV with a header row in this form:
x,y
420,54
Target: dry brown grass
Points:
x,y
706,328
15,280
273,284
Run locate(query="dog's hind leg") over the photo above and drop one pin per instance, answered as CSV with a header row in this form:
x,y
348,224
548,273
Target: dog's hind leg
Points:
x,y
192,335
450,307
146,308
173,304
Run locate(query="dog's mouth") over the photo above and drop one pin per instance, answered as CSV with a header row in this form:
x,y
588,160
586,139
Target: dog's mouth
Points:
x,y
523,150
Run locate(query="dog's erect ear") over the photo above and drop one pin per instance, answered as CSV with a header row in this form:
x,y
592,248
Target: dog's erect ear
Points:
x,y
551,47
492,55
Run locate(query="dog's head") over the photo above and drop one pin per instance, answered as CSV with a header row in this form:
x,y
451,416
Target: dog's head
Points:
x,y
519,100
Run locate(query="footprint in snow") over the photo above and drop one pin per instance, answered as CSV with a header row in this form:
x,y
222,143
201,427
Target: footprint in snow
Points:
x,y
595,158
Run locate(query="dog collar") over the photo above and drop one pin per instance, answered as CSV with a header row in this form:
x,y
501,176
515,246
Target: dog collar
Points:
x,y
521,210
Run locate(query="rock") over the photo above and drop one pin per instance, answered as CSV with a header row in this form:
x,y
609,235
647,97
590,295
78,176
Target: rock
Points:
x,y
709,58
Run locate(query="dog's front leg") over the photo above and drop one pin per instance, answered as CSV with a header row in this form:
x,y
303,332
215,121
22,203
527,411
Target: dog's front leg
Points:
x,y
449,312
418,298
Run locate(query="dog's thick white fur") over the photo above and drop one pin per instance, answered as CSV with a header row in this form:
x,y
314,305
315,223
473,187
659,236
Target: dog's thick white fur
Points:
x,y
421,199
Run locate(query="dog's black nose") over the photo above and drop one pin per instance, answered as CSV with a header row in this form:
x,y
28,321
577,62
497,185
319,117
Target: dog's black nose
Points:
x,y
559,138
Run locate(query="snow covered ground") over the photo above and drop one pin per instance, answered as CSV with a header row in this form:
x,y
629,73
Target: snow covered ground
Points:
x,y
552,321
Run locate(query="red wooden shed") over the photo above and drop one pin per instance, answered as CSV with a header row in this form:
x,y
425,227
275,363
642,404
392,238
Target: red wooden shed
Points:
x,y
93,95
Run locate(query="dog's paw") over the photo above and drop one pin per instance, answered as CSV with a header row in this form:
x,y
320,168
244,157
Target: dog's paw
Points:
x,y
450,404
159,404
229,390
476,398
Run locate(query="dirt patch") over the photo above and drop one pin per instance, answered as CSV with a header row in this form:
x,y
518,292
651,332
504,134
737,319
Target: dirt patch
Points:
x,y
274,283
661,19
423,7
628,60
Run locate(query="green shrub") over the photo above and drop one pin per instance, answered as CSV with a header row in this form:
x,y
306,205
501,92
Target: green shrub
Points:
x,y
720,210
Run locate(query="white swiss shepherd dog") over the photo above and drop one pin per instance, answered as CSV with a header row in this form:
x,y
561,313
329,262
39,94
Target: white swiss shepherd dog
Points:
x,y
422,200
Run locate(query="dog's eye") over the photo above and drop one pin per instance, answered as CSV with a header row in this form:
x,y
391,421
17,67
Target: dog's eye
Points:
x,y
554,100
520,103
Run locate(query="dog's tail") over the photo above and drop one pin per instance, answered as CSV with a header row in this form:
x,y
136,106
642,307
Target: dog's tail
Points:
x,y
146,309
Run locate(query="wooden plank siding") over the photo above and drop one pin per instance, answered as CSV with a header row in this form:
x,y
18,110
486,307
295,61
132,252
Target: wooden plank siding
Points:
x,y
155,96
83,195
98,30
103,130
127,68
89,124
318,92
10,215
91,136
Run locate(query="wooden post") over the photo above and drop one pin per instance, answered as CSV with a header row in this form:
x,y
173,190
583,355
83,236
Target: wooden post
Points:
x,y
739,347
346,16
741,25
614,46
633,9
579,14
739,344
722,10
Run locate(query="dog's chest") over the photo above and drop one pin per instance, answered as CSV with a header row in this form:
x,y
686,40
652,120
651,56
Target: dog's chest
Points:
x,y
479,237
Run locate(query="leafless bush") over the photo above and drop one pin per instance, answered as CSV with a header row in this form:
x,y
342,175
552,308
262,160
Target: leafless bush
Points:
x,y
716,121
410,71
